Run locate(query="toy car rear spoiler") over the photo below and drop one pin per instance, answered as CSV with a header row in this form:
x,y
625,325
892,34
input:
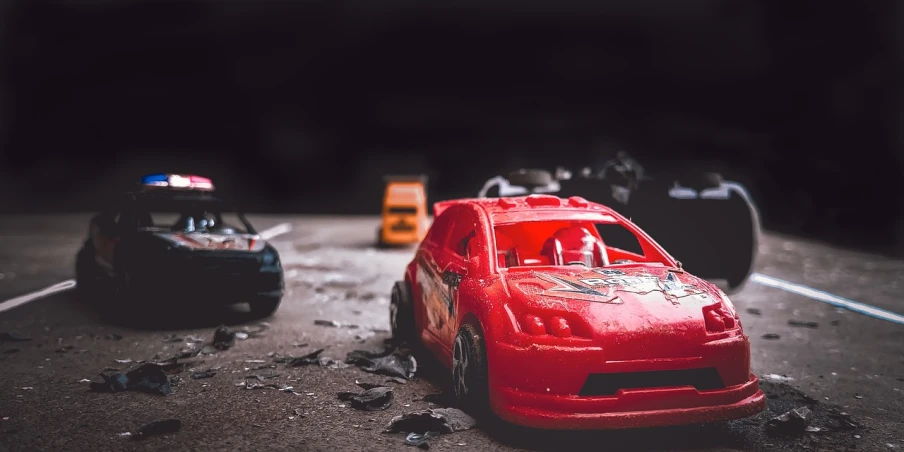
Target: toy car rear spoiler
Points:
x,y
422,178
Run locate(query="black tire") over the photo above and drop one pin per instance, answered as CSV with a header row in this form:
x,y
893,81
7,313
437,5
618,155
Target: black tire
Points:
x,y
401,313
264,306
87,284
379,242
740,272
470,382
531,178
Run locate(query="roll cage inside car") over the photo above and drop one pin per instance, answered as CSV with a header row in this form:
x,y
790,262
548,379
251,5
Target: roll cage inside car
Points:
x,y
468,234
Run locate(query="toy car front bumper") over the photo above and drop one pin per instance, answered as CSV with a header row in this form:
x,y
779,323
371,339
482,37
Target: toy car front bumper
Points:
x,y
552,392
212,287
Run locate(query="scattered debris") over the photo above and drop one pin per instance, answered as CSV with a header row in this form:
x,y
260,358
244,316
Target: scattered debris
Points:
x,y
335,324
791,422
771,336
172,338
754,311
13,336
439,420
247,333
159,427
392,364
64,348
223,338
262,375
807,324
420,440
174,364
146,377
777,378
372,399
311,358
209,373
281,388
175,380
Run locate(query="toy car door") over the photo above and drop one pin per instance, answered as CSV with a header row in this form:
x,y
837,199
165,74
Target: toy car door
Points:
x,y
451,261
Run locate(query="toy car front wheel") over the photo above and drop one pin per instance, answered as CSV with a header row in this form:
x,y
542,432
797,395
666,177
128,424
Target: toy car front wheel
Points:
x,y
87,283
264,306
469,371
401,312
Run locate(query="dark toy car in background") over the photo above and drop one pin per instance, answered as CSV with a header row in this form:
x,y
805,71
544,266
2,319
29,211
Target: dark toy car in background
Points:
x,y
711,225
172,239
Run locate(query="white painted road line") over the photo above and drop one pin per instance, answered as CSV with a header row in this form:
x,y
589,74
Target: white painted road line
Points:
x,y
826,297
47,291
279,229
6,305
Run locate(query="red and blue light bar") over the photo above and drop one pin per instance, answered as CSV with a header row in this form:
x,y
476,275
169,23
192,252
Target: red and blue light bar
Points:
x,y
178,181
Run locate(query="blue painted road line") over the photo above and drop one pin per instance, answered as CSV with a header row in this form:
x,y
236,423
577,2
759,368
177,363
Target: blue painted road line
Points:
x,y
826,297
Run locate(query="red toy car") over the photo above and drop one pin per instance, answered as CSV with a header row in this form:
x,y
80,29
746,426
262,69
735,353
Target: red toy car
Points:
x,y
546,324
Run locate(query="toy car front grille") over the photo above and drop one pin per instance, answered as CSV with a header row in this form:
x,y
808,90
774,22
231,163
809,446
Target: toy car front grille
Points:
x,y
608,384
402,227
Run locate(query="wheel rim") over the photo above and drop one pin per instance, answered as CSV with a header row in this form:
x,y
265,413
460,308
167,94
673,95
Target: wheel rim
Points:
x,y
394,311
460,369
394,316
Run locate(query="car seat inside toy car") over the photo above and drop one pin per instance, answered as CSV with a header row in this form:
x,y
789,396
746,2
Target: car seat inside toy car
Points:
x,y
507,254
575,245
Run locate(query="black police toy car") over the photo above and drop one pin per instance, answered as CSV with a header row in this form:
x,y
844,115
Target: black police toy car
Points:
x,y
173,238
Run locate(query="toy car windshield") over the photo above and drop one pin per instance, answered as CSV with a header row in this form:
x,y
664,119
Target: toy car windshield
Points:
x,y
190,214
554,242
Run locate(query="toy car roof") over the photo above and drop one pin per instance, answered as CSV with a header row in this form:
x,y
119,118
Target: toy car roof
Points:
x,y
505,205
422,178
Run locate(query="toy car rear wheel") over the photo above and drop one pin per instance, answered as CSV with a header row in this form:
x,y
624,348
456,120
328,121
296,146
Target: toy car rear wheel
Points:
x,y
401,312
264,306
469,372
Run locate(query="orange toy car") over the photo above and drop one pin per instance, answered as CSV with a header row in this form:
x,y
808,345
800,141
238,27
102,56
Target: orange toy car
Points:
x,y
404,211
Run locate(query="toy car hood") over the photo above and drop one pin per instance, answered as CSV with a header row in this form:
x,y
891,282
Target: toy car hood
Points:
x,y
650,300
210,241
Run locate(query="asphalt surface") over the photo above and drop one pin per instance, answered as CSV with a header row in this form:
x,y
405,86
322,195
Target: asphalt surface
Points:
x,y
849,363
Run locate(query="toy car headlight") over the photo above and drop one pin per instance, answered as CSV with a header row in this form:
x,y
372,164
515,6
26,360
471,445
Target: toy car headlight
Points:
x,y
728,304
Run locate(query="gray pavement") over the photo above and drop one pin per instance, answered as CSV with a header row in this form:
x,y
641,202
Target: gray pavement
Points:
x,y
850,362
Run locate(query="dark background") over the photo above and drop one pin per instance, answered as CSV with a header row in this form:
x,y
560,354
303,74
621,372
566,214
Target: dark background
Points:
x,y
303,106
